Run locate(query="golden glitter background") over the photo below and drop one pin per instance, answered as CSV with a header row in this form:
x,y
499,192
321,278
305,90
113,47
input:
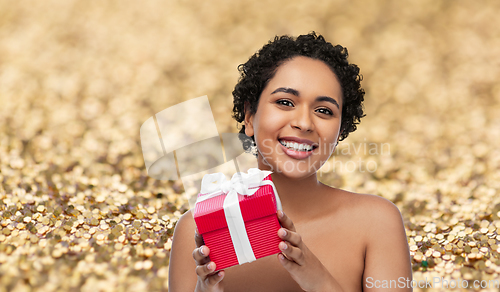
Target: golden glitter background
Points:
x,y
78,78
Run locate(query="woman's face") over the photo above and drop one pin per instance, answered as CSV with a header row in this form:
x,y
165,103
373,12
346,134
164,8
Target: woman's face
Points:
x,y
298,118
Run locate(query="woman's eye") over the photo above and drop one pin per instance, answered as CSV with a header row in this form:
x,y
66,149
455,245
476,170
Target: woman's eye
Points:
x,y
325,111
284,102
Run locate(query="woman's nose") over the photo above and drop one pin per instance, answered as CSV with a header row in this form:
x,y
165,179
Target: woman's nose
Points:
x,y
302,120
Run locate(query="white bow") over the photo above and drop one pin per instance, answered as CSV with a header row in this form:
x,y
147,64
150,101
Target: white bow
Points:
x,y
215,184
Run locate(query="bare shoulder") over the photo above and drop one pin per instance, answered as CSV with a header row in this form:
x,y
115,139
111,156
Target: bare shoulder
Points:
x,y
184,231
185,221
371,209
381,224
379,207
382,213
181,259
370,214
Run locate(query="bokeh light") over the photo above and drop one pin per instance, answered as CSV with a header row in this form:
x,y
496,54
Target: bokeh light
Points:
x,y
78,79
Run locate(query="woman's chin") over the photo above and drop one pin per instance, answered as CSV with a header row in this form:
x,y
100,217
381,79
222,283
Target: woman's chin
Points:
x,y
292,170
295,174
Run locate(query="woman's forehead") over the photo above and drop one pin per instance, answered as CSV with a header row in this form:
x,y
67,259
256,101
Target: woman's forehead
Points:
x,y
307,75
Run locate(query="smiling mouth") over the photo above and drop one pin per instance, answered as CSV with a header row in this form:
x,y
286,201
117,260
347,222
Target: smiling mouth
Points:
x,y
303,147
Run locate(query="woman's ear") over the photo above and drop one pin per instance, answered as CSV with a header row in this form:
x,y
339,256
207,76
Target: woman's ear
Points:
x,y
248,121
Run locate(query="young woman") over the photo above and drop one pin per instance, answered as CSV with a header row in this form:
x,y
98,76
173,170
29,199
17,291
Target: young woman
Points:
x,y
297,98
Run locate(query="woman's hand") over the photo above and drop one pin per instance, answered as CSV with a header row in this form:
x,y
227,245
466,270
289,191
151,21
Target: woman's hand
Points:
x,y
304,267
207,279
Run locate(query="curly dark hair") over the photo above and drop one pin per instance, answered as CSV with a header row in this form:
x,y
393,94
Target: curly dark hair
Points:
x,y
261,67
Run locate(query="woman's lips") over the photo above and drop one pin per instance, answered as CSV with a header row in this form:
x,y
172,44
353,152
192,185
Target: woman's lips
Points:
x,y
296,154
298,140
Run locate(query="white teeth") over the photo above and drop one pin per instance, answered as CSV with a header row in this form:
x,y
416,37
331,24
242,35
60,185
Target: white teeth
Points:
x,y
296,146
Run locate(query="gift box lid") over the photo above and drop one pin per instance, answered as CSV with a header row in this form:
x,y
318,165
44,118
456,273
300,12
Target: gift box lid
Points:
x,y
209,214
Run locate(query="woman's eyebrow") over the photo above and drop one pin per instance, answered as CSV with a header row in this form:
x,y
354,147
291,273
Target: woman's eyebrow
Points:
x,y
328,99
296,93
286,90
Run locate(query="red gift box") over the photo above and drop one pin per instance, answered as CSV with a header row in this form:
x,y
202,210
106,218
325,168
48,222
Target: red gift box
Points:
x,y
261,224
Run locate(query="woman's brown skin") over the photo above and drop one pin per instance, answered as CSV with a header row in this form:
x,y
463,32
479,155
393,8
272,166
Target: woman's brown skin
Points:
x,y
336,240
208,279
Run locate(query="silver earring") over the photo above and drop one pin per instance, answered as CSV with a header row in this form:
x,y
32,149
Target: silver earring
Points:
x,y
253,149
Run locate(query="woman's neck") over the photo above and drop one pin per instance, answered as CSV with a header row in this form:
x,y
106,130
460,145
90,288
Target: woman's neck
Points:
x,y
297,196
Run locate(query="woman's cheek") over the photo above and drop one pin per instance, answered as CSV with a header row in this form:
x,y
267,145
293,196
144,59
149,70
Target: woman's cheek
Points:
x,y
267,147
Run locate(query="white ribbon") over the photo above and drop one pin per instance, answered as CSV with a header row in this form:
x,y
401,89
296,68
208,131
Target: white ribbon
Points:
x,y
215,184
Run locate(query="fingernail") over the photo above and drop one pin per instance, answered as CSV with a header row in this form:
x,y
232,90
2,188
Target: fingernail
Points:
x,y
210,266
283,246
283,232
282,214
201,251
